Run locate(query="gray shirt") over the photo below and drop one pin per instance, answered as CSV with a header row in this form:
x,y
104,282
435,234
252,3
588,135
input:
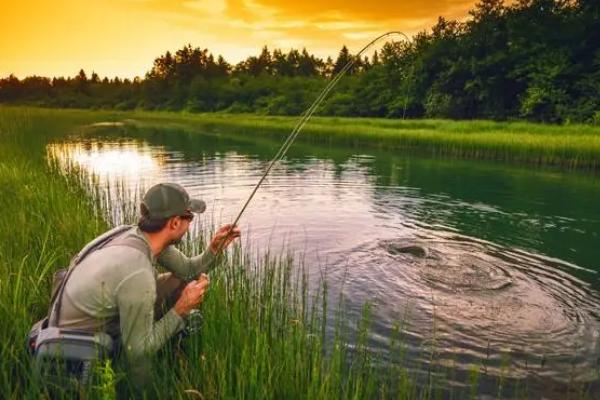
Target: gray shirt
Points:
x,y
114,290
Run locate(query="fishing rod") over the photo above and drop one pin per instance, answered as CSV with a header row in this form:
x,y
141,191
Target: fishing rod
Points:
x,y
305,117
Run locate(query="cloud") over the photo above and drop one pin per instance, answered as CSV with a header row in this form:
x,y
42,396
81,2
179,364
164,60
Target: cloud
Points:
x,y
122,37
380,11
349,17
240,28
207,7
302,24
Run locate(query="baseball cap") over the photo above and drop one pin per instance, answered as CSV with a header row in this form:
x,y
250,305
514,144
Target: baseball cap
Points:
x,y
167,200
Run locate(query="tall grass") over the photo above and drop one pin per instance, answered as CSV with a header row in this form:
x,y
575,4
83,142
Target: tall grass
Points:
x,y
267,334
569,146
44,218
263,337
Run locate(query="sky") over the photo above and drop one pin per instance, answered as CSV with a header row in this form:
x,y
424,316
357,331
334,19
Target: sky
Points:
x,y
123,37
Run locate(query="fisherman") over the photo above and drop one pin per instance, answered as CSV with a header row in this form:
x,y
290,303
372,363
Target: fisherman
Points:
x,y
116,289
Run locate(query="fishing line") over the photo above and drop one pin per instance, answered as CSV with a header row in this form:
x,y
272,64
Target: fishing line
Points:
x,y
308,113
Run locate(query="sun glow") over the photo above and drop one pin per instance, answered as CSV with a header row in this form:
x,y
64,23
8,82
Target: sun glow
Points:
x,y
59,38
119,160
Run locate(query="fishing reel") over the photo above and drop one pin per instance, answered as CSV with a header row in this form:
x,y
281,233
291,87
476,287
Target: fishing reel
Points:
x,y
194,322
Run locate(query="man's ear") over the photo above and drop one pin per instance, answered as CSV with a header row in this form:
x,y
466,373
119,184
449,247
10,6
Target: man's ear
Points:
x,y
174,223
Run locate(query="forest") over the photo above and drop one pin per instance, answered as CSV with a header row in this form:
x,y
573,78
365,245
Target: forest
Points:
x,y
535,60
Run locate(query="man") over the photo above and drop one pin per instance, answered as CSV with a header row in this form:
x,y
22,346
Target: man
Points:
x,y
116,288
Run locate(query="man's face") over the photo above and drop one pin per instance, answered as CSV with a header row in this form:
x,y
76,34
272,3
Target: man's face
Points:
x,y
178,227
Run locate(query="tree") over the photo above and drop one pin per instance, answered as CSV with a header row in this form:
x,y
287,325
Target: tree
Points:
x,y
328,67
308,65
163,67
293,61
222,67
533,59
10,89
343,58
257,65
375,59
281,66
81,76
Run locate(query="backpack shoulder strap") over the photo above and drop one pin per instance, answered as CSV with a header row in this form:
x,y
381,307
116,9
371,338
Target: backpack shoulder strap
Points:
x,y
97,243
134,242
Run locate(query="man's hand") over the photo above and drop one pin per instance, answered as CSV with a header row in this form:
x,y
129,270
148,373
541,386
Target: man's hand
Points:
x,y
192,295
224,236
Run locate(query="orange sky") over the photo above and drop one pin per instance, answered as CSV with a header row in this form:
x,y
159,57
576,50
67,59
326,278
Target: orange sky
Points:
x,y
122,37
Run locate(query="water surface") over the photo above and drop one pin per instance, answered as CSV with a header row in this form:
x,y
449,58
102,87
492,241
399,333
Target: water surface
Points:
x,y
508,267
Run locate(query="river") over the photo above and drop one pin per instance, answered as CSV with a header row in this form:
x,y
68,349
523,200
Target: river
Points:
x,y
506,270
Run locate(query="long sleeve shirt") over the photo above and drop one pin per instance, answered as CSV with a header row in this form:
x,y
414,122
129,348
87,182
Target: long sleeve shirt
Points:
x,y
114,290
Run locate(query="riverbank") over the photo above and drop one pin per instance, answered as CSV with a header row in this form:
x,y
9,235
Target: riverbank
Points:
x,y
565,147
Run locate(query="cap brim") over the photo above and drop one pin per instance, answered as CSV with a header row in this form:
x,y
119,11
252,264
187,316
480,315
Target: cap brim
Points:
x,y
197,206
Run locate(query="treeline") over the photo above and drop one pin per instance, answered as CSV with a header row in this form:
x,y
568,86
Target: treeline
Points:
x,y
534,59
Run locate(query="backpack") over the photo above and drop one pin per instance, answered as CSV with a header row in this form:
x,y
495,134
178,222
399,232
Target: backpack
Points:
x,y
76,350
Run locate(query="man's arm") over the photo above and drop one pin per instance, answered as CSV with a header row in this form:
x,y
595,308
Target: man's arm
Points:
x,y
184,267
140,334
189,268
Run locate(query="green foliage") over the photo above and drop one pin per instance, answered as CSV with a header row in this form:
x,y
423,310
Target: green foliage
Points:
x,y
340,104
105,389
534,59
439,105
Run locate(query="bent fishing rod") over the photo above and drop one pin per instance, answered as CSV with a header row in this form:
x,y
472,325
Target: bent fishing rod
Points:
x,y
305,117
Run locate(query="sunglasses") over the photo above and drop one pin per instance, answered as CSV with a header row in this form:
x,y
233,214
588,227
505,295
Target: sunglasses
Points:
x,y
188,217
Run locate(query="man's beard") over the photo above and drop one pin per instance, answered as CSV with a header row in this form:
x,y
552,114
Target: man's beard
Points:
x,y
179,240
